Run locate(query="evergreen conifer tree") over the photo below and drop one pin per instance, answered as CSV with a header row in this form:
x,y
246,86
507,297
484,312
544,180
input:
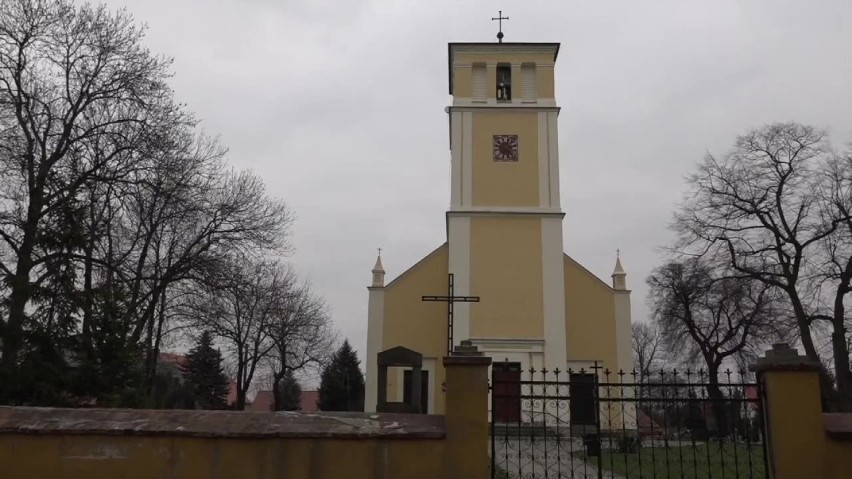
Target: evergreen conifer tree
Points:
x,y
341,382
204,374
291,392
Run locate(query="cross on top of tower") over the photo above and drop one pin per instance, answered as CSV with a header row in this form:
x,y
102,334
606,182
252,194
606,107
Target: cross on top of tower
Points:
x,y
500,19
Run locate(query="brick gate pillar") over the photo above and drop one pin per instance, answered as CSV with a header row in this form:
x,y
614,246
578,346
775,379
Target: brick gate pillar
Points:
x,y
466,414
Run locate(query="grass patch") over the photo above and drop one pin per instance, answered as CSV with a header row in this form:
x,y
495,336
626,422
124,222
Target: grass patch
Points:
x,y
709,460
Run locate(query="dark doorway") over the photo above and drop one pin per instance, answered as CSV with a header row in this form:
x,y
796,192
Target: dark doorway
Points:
x,y
507,392
581,391
424,390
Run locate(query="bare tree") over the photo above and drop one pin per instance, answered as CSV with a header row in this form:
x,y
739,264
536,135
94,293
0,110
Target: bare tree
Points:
x,y
192,221
648,348
766,207
111,203
239,304
711,319
302,336
832,274
72,80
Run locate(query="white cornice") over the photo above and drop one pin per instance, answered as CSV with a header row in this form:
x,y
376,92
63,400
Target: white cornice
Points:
x,y
479,106
506,210
493,103
494,64
524,341
490,49
508,344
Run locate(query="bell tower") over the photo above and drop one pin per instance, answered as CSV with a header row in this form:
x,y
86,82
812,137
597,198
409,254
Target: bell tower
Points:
x,y
504,224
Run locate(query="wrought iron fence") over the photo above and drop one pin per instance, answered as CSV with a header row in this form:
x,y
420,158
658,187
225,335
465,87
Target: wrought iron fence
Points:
x,y
596,423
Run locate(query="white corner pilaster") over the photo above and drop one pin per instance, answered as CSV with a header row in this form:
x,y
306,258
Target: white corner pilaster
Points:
x,y
623,328
543,161
375,338
625,353
456,159
553,294
553,158
467,158
459,267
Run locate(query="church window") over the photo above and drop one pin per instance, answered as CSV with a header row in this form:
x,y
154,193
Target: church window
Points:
x,y
480,82
505,147
528,82
504,82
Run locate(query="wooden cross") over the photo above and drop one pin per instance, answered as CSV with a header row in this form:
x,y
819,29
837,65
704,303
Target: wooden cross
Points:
x,y
451,299
500,19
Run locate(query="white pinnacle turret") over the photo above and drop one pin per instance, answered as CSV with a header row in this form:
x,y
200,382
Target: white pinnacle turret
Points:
x,y
619,276
378,272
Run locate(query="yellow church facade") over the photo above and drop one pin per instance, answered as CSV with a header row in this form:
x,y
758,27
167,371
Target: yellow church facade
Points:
x,y
537,307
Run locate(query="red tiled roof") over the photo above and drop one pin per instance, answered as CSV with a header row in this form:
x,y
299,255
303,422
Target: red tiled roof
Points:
x,y
178,359
232,392
646,425
309,401
263,401
751,392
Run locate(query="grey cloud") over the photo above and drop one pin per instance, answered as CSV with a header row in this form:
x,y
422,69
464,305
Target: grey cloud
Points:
x,y
339,106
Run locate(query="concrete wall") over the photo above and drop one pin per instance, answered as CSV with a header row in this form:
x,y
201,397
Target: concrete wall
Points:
x,y
94,456
103,443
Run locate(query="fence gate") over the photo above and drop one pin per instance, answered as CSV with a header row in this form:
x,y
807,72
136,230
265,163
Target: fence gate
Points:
x,y
597,423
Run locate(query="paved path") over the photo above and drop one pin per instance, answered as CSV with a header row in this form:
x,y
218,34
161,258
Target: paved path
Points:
x,y
538,458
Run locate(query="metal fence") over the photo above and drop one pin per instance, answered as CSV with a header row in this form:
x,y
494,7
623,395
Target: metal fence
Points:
x,y
596,423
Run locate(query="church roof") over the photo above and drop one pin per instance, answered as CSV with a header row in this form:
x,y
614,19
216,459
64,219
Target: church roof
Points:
x,y
587,272
506,46
378,268
619,270
415,265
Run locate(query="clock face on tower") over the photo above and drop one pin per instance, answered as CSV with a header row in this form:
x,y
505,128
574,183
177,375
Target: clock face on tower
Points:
x,y
505,147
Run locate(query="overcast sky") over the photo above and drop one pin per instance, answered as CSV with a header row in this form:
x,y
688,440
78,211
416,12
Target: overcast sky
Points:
x,y
339,106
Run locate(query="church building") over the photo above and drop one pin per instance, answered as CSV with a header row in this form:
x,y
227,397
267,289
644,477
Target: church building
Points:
x,y
520,298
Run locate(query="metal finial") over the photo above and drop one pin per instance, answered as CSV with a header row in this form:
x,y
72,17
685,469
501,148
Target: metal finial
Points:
x,y
380,250
500,19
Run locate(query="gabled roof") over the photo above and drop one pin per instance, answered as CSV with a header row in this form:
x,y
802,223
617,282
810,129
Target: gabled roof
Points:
x,y
589,273
415,265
